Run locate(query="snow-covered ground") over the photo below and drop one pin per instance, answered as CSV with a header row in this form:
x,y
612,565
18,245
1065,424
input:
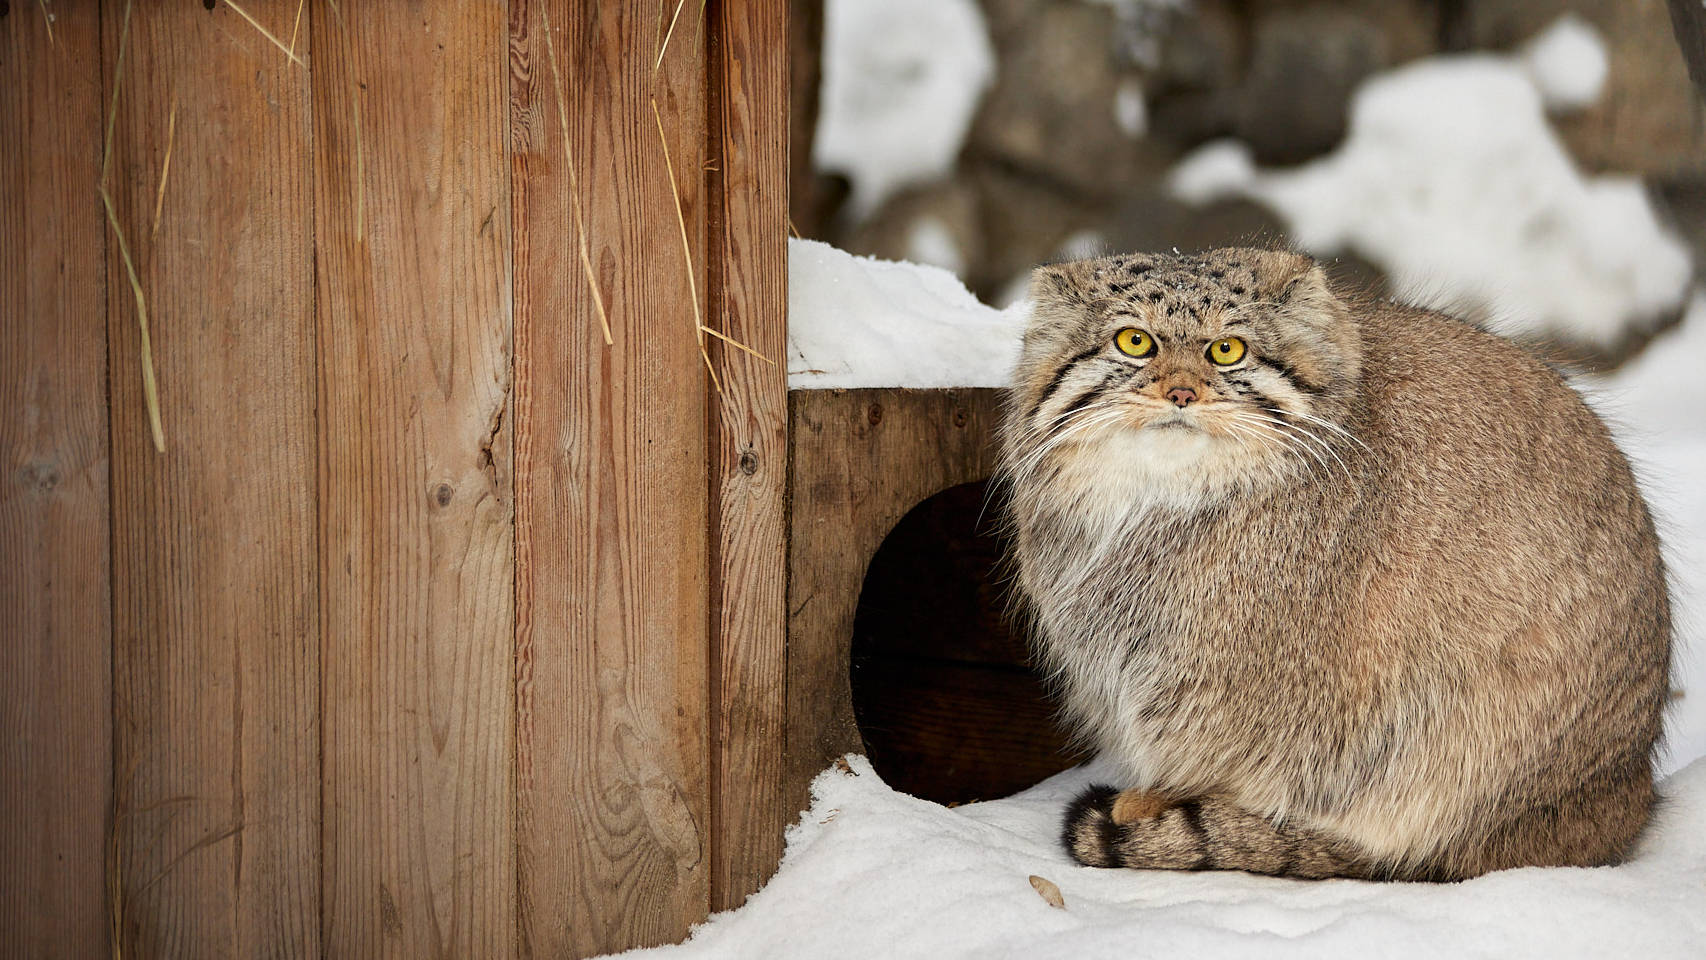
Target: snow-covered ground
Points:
x,y
870,872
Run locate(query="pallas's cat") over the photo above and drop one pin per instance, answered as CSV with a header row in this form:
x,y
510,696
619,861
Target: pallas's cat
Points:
x,y
1343,588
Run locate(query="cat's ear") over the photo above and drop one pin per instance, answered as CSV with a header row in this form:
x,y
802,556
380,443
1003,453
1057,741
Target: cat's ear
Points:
x,y
1290,279
1056,283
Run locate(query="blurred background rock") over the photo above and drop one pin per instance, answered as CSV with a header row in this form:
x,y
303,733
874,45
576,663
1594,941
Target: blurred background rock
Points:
x,y
986,136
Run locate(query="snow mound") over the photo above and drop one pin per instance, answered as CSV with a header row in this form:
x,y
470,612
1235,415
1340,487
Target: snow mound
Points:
x,y
901,82
1567,63
870,872
863,322
1451,181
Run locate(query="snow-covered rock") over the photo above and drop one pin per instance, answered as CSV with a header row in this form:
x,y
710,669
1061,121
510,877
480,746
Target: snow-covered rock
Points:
x,y
901,82
1451,181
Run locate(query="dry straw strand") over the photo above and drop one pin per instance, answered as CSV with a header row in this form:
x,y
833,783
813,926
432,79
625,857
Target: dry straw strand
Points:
x,y
267,33
112,108
47,18
297,25
355,123
574,182
731,341
165,168
150,393
665,44
699,327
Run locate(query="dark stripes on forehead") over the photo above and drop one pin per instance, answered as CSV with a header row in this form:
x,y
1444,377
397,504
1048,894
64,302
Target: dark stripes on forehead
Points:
x,y
1060,375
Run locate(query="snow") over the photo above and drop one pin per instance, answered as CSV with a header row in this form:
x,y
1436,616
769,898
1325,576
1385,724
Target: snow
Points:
x,y
1131,114
1451,181
901,83
929,241
870,872
1567,63
863,322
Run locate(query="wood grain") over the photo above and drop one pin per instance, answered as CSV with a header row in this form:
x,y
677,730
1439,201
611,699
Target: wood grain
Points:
x,y
414,324
612,491
55,606
749,296
861,460
215,659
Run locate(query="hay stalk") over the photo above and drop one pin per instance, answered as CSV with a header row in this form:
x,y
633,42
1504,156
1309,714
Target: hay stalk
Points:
x,y
665,44
47,18
699,327
150,394
165,168
574,183
268,34
294,27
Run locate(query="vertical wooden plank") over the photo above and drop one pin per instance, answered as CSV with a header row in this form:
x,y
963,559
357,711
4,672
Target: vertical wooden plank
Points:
x,y
749,275
412,249
611,480
215,637
55,606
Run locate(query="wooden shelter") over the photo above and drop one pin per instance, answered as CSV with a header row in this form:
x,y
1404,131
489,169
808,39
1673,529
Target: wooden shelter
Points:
x,y
395,519
443,625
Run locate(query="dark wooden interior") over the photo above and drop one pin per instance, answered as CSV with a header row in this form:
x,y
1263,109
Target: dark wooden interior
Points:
x,y
946,701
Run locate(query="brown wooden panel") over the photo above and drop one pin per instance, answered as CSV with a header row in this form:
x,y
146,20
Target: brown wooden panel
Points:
x,y
414,321
55,606
749,272
861,460
215,624
611,481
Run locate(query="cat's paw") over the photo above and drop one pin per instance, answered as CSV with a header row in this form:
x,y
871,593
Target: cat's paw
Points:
x,y
1089,831
1102,817
1134,805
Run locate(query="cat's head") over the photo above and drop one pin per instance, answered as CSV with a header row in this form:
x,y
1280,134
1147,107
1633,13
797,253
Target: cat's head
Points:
x,y
1179,378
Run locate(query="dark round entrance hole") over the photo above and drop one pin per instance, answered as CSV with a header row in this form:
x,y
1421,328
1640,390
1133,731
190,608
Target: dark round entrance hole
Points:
x,y
943,692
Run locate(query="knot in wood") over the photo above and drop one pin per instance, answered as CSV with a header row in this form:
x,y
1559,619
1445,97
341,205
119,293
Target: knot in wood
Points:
x,y
442,494
748,462
876,414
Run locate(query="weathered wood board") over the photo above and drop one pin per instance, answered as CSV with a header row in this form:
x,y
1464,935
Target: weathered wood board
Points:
x,y
55,605
416,503
216,642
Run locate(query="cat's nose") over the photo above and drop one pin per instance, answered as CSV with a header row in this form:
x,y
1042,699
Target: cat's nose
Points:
x,y
1182,396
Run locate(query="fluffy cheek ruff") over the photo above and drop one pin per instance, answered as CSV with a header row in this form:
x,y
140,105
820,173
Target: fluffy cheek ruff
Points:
x,y
1122,469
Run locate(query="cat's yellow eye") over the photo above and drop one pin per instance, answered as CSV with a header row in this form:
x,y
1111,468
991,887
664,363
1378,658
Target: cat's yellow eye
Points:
x,y
1134,342
1226,351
